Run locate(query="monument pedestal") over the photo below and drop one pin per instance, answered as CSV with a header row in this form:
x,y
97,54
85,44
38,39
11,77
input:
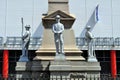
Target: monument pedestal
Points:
x,y
47,51
23,58
60,57
34,69
40,69
59,69
66,70
23,70
92,59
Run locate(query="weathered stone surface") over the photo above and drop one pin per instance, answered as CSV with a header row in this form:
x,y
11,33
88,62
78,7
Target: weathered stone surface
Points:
x,y
55,5
23,70
60,65
74,69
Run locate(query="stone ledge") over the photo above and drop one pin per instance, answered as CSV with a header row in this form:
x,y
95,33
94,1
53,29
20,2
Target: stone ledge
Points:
x,y
58,1
53,57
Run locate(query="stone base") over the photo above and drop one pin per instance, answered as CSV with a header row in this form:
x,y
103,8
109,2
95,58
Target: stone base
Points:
x,y
40,69
23,59
60,66
58,70
92,59
23,70
60,57
59,76
62,70
34,69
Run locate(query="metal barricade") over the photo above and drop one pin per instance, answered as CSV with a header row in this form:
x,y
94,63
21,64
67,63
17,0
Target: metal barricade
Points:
x,y
98,41
117,41
1,41
16,42
35,41
91,77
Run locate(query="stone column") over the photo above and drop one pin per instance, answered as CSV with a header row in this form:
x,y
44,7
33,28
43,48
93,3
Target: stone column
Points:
x,y
55,5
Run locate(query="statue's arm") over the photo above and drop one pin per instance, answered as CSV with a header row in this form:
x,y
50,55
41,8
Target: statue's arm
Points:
x,y
24,36
62,29
90,35
53,29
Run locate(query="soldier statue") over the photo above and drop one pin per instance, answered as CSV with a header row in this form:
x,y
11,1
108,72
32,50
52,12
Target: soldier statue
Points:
x,y
89,39
25,44
58,29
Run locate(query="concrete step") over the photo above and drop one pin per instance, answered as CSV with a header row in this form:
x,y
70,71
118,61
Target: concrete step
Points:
x,y
72,58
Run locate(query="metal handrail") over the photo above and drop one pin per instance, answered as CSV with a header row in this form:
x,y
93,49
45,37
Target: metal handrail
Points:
x,y
98,41
1,41
87,77
117,41
17,41
35,42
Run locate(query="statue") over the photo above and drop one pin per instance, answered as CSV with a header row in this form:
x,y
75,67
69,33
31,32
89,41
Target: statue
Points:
x,y
25,44
89,39
57,29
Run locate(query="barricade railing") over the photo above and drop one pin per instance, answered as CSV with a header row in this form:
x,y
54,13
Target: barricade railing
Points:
x,y
35,42
92,77
1,41
97,41
16,42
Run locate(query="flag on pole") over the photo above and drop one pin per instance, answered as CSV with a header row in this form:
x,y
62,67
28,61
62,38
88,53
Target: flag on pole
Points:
x,y
96,14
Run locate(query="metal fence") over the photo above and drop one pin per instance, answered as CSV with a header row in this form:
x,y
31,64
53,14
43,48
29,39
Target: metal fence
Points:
x,y
117,41
99,41
1,41
102,77
15,42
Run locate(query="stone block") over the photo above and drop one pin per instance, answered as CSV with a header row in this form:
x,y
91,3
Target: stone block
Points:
x,y
23,70
60,66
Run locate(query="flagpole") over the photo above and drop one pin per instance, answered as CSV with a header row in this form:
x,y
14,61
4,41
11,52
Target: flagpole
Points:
x,y
22,31
22,26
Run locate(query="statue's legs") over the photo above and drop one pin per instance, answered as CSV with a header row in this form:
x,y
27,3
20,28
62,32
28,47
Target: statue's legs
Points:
x,y
26,49
91,56
23,50
59,48
24,56
89,50
57,43
26,52
61,44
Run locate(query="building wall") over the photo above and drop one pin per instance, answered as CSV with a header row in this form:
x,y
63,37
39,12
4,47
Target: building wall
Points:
x,y
109,17
108,25
11,12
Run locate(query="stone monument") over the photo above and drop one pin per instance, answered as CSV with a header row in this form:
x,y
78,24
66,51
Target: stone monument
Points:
x,y
47,50
47,63
89,39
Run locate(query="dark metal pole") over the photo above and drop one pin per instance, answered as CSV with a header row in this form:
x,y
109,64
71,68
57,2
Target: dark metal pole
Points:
x,y
22,26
